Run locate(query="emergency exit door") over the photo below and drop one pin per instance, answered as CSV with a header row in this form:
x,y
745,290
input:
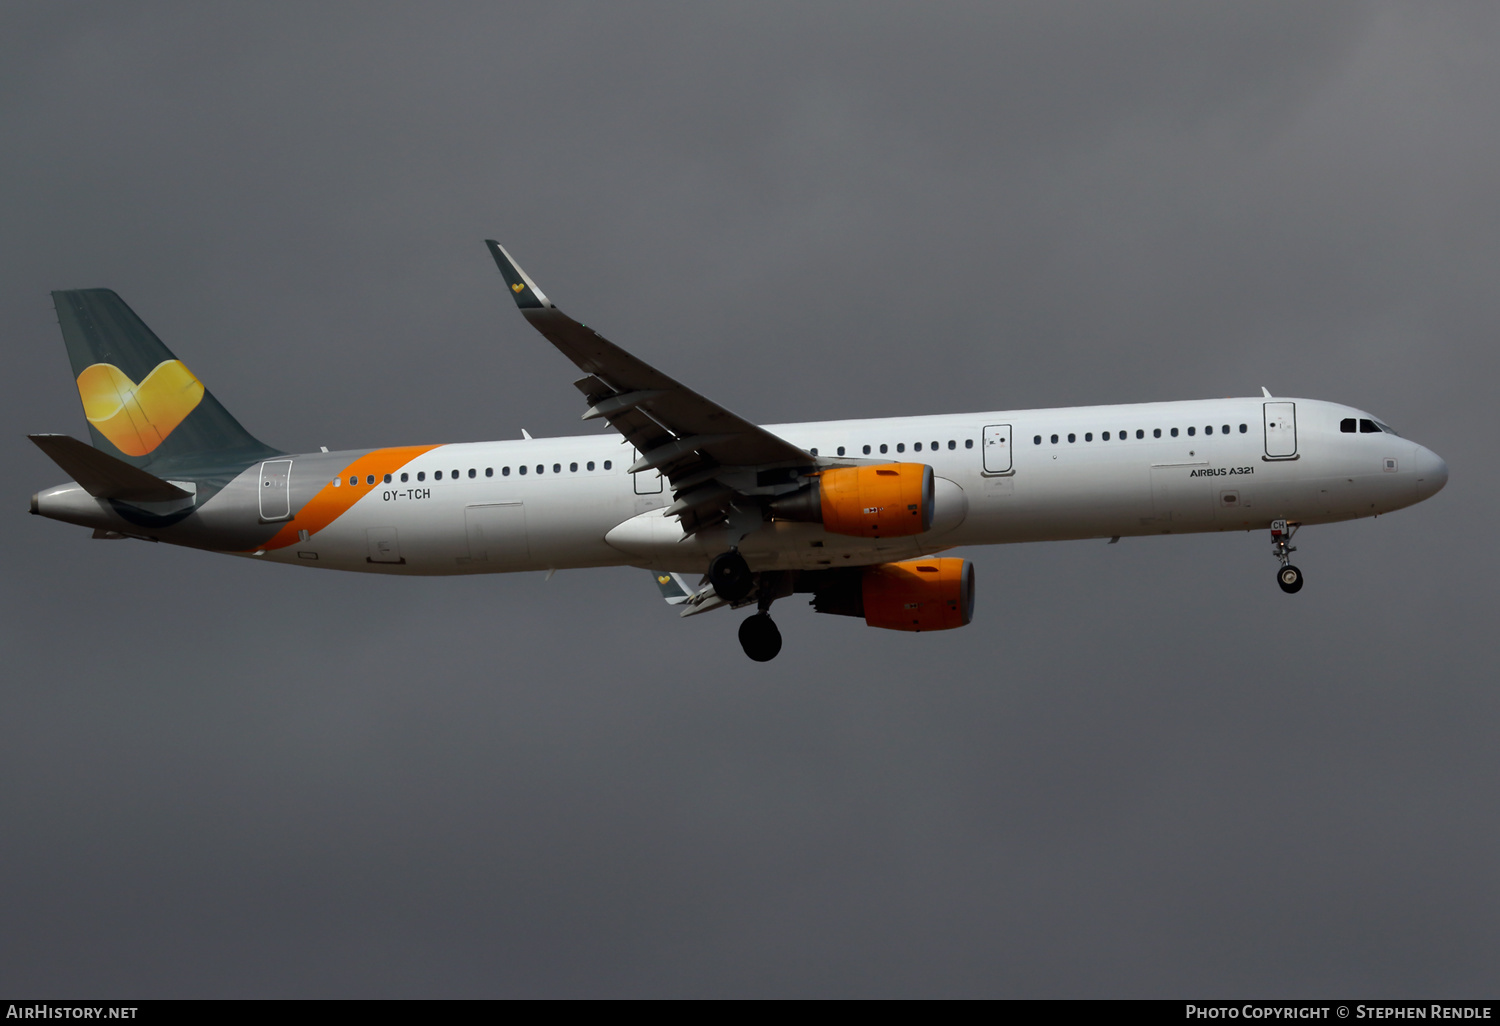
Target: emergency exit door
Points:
x,y
997,449
647,482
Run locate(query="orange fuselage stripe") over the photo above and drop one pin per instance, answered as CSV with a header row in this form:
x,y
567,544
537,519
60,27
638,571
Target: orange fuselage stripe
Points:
x,y
333,501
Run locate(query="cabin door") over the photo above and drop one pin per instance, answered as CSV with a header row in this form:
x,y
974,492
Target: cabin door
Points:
x,y
1281,430
275,489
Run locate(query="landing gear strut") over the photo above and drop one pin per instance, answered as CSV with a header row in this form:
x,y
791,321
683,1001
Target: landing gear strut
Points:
x,y
1288,577
730,576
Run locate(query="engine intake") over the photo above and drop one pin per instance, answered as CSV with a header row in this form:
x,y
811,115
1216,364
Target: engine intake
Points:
x,y
887,500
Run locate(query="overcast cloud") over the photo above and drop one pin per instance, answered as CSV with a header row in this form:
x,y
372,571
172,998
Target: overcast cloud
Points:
x,y
1142,771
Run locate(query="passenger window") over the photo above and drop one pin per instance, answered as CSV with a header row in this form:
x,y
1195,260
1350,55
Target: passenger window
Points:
x,y
1224,429
437,475
900,446
505,472
1191,431
589,465
952,444
521,470
882,447
1054,439
1367,427
606,464
353,480
557,468
1156,433
1208,430
455,475
1037,439
968,443
489,471
867,450
572,468
841,450
1139,433
387,479
338,482
1244,428
1072,437
541,468
403,478
917,447
1174,432
934,447
1088,436
421,475
472,473
1104,437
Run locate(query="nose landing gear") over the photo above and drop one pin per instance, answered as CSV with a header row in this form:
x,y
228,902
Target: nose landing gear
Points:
x,y
1288,577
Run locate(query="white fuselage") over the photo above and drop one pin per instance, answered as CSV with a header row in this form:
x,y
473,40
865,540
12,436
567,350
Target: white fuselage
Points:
x,y
1154,468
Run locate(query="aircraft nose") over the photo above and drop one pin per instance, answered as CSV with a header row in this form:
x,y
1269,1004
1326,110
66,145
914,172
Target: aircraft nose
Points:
x,y
1432,471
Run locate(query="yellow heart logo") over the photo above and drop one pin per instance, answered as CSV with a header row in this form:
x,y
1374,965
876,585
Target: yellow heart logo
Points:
x,y
517,287
138,418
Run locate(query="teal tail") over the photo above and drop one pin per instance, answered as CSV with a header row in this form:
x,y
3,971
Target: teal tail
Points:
x,y
142,403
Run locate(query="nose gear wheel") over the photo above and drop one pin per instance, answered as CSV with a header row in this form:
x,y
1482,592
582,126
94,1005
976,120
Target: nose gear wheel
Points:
x,y
1289,578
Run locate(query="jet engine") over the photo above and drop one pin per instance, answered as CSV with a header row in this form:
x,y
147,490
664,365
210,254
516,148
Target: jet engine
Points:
x,y
886,500
915,595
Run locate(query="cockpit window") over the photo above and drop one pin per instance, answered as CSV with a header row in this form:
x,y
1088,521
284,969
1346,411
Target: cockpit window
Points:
x,y
1347,425
1367,426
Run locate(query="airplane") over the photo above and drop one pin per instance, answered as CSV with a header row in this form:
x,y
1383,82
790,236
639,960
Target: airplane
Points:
x,y
852,512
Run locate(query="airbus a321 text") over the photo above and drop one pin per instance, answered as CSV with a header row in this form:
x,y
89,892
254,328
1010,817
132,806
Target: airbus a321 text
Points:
x,y
851,512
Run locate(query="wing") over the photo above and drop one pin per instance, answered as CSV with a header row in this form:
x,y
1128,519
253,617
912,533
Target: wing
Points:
x,y
711,456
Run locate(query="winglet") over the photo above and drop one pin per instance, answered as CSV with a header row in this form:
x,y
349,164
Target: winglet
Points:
x,y
528,296
673,588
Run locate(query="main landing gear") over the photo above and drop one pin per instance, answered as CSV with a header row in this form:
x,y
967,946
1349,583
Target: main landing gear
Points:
x,y
1288,577
733,582
730,575
760,638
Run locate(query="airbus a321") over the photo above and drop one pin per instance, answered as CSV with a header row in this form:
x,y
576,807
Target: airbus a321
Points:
x,y
853,512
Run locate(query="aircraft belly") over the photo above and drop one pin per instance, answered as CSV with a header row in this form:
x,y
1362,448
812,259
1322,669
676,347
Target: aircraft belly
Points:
x,y
656,542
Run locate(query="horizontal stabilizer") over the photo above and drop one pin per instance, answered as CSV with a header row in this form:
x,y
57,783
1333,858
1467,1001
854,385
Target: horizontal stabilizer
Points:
x,y
103,476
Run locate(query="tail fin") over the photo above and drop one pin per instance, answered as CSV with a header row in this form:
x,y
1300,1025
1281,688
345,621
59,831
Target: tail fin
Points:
x,y
142,403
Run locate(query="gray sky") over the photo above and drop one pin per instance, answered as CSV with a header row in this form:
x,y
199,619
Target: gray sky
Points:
x,y
1142,771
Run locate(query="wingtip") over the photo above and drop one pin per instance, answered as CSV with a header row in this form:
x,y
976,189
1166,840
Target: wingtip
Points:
x,y
527,295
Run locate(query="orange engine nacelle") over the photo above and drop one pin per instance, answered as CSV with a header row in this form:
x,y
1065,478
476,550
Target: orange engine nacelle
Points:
x,y
919,595
886,500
